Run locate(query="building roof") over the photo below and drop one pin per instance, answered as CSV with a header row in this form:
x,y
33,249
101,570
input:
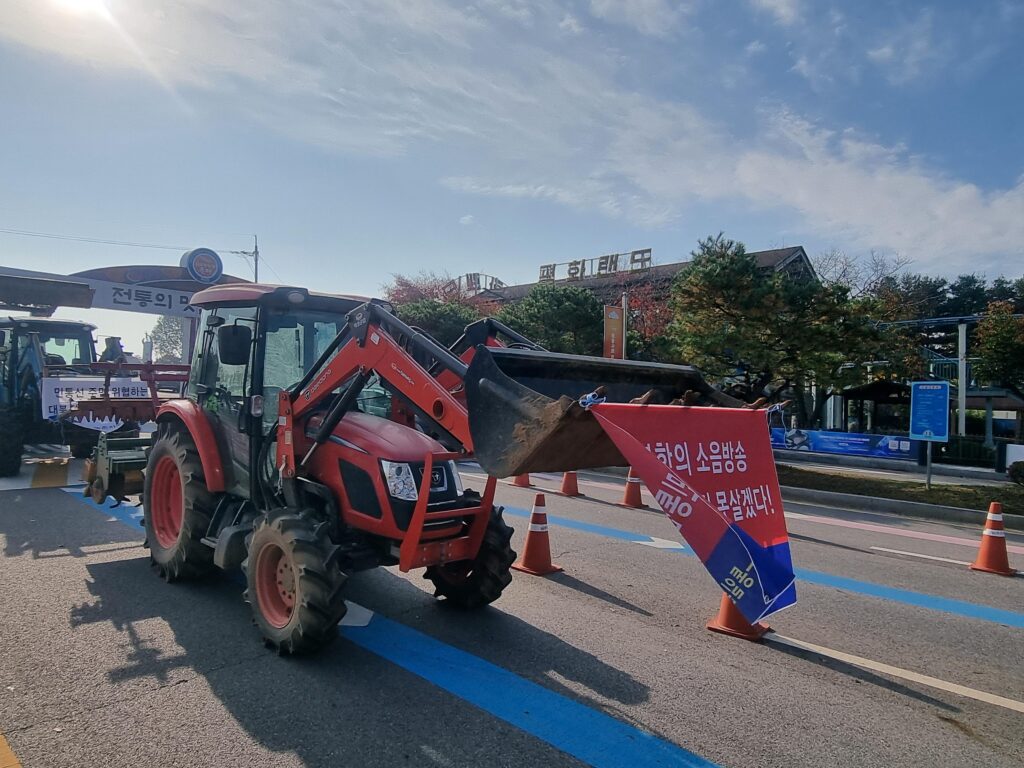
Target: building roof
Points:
x,y
777,260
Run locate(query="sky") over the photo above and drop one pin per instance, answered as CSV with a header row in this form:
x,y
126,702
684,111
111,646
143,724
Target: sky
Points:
x,y
362,138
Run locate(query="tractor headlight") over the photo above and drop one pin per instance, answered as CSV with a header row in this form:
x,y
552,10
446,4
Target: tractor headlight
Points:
x,y
400,480
455,474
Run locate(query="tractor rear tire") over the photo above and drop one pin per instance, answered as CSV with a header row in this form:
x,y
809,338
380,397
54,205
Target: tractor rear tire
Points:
x,y
294,582
177,507
13,443
474,584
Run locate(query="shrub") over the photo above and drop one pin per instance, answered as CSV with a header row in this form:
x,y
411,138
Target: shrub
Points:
x,y
1016,472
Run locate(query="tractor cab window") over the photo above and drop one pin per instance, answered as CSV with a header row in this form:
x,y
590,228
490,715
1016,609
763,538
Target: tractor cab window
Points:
x,y
225,383
60,349
294,342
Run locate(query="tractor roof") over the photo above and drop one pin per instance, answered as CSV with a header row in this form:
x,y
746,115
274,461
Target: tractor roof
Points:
x,y
45,324
247,294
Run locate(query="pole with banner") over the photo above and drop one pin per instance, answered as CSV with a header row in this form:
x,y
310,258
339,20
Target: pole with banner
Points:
x,y
614,332
929,417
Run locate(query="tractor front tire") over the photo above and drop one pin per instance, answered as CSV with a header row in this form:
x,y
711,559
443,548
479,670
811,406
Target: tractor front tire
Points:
x,y
177,506
478,582
293,581
13,442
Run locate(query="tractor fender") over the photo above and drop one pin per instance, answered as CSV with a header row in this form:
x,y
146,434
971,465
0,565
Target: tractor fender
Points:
x,y
198,424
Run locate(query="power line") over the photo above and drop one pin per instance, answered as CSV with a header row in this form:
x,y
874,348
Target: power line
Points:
x,y
97,240
255,254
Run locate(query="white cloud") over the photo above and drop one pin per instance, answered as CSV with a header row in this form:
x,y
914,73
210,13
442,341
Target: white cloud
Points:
x,y
570,24
533,115
466,220
786,12
651,17
754,47
911,50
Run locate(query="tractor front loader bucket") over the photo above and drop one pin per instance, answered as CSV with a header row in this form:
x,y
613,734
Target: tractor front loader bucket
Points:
x,y
524,414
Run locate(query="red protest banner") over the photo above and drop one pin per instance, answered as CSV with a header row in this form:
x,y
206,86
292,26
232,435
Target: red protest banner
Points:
x,y
712,472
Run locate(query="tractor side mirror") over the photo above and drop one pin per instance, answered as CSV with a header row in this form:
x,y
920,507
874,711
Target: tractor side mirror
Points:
x,y
233,343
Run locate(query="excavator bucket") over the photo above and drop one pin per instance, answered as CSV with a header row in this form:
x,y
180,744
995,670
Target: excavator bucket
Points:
x,y
524,414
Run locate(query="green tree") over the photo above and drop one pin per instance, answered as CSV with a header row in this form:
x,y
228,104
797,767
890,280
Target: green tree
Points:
x,y
753,328
166,335
561,318
999,345
442,320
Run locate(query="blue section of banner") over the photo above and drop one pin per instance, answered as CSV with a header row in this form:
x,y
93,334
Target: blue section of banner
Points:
x,y
845,443
758,579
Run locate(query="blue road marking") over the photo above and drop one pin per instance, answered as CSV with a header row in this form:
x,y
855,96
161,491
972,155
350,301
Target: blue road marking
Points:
x,y
578,730
919,599
893,594
579,525
584,733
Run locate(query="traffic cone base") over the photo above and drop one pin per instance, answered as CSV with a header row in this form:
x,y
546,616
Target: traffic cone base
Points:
x,y
521,481
632,497
570,486
536,559
992,557
730,621
519,566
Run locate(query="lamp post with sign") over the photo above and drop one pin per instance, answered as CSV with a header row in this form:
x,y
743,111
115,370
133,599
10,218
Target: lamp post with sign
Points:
x,y
929,417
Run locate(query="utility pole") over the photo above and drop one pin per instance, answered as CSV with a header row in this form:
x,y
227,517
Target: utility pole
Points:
x,y
255,259
625,315
961,380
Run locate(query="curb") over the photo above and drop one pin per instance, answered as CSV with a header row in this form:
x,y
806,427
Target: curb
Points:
x,y
795,458
896,507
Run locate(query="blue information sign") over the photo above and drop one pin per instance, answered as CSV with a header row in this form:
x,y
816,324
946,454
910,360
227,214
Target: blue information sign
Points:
x,y
929,411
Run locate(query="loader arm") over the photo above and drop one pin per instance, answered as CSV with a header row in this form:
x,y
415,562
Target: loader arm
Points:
x,y
505,400
373,341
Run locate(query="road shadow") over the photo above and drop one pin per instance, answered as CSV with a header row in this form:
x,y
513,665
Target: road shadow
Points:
x,y
588,589
344,702
858,673
48,522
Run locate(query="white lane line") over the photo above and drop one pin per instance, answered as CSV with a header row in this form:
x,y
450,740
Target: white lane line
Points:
x,y
918,554
894,531
903,674
662,544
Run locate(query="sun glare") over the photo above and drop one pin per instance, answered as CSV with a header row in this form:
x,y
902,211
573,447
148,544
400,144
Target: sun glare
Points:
x,y
84,7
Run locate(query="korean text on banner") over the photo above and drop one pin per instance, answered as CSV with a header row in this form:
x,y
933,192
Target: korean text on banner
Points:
x,y
712,472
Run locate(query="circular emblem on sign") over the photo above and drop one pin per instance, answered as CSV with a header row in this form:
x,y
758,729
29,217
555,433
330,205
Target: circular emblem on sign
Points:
x,y
203,265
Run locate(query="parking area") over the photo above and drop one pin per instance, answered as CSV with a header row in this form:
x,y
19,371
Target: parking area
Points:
x,y
896,653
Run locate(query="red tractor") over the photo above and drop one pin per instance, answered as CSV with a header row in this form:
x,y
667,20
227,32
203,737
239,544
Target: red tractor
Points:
x,y
318,437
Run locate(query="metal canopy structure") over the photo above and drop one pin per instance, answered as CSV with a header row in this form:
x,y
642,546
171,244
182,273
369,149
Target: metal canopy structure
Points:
x,y
41,296
147,288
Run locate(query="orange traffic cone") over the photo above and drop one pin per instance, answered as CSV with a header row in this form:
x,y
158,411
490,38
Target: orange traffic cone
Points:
x,y
521,481
536,557
632,496
992,553
569,485
730,621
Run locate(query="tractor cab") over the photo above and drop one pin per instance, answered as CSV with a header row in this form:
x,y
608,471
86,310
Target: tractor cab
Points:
x,y
257,341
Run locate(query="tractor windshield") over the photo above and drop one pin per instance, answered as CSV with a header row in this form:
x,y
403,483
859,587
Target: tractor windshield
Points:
x,y
66,349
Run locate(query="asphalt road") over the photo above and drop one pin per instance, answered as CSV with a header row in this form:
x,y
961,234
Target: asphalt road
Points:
x,y
607,664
